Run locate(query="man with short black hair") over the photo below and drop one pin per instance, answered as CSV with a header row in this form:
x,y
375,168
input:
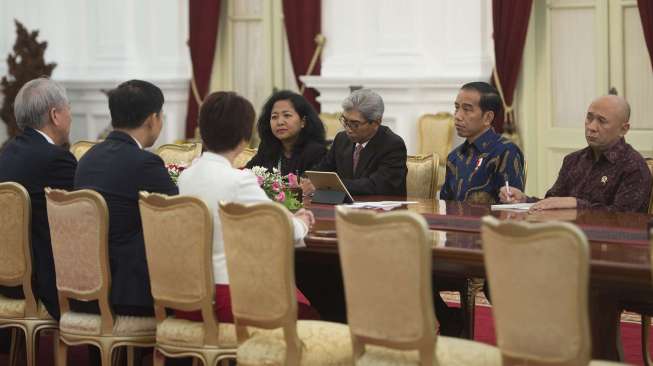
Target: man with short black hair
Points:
x,y
118,168
37,159
485,162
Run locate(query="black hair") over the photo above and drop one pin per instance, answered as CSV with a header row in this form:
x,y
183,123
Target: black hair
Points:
x,y
490,98
132,102
313,127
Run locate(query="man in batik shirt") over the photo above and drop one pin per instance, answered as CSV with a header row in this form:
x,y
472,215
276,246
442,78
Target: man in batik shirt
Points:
x,y
607,174
479,167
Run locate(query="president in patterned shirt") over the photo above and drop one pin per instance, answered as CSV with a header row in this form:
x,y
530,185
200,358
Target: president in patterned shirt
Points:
x,y
608,174
478,168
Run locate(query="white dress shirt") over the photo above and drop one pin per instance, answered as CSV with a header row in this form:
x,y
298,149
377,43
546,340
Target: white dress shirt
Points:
x,y
212,179
47,138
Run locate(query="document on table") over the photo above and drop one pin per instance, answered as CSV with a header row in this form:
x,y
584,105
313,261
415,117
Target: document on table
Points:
x,y
513,207
382,205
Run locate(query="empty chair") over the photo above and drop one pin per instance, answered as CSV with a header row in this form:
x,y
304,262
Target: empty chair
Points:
x,y
180,154
539,276
422,177
16,269
259,248
435,133
178,234
79,227
386,265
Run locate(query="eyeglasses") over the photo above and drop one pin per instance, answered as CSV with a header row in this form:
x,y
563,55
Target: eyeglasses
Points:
x,y
351,124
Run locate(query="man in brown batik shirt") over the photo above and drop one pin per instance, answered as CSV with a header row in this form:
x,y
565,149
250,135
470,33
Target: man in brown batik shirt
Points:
x,y
607,174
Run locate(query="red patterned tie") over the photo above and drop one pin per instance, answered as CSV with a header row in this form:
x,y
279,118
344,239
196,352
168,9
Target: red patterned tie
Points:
x,y
357,154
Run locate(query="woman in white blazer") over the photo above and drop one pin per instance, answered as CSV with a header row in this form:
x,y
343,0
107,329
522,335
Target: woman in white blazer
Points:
x,y
226,122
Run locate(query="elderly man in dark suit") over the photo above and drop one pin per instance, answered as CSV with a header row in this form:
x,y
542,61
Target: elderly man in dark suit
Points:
x,y
118,168
36,159
369,158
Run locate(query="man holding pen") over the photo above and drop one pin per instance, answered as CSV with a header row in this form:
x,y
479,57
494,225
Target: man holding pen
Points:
x,y
485,162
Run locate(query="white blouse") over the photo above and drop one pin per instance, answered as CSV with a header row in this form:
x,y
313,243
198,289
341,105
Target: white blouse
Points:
x,y
212,179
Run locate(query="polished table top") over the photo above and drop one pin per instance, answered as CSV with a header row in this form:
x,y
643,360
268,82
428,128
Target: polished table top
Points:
x,y
618,241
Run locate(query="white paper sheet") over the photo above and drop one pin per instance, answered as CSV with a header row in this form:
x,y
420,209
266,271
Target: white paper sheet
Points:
x,y
383,205
513,206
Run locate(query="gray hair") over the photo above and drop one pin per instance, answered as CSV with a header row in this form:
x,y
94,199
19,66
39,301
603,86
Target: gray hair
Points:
x,y
35,100
367,102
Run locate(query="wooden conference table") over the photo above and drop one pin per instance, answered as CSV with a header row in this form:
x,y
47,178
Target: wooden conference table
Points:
x,y
620,261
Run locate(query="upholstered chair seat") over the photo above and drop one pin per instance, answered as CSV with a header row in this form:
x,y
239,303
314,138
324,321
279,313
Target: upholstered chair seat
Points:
x,y
323,344
91,324
182,333
448,351
15,308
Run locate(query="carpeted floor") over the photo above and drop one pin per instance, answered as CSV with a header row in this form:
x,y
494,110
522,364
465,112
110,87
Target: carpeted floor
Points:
x,y
484,332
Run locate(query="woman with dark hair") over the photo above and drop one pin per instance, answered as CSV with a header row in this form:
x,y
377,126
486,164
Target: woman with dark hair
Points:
x,y
226,123
292,135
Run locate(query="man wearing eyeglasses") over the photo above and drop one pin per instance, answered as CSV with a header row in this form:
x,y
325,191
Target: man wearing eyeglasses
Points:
x,y
369,158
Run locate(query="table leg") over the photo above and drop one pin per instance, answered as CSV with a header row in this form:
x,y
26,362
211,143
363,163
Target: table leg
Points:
x,y
605,321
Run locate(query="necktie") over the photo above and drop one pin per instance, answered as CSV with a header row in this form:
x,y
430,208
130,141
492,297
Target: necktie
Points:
x,y
357,154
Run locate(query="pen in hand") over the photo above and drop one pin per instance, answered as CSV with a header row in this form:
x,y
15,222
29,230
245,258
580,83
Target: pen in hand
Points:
x,y
508,190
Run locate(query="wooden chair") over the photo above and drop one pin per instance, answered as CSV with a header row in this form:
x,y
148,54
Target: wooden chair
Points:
x,y
16,270
389,297
178,234
331,124
422,175
182,154
259,248
80,148
539,276
244,157
79,230
436,136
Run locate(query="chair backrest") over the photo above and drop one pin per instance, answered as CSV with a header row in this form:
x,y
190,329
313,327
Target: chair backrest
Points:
x,y
649,163
422,177
79,148
182,154
435,133
331,124
244,157
539,276
79,232
16,254
178,233
258,243
389,296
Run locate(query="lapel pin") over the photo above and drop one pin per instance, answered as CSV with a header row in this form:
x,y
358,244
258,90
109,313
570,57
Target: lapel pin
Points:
x,y
604,179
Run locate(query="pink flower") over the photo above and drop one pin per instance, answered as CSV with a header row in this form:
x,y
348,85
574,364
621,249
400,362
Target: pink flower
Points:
x,y
292,180
281,197
275,186
259,179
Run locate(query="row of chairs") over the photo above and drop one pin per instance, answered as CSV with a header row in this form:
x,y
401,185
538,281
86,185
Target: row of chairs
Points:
x,y
389,299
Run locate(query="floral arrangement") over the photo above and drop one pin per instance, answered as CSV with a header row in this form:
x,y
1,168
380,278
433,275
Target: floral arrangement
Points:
x,y
283,189
175,170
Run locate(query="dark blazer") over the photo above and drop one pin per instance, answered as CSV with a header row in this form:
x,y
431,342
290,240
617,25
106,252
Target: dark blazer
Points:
x,y
300,161
118,169
29,159
381,166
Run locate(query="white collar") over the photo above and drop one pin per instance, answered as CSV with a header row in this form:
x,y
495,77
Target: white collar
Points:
x,y
215,157
137,143
47,138
363,144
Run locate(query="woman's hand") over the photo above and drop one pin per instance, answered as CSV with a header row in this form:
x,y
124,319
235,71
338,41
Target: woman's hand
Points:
x,y
307,187
306,217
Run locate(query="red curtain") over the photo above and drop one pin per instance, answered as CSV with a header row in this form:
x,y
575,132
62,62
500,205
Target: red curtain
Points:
x,y
303,20
646,13
510,27
203,24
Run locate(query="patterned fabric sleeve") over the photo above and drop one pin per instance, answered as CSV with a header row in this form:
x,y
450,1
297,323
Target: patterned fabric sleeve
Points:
x,y
635,188
512,168
449,179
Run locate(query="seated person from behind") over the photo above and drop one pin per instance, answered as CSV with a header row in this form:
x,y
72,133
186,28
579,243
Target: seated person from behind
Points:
x,y
369,158
118,168
292,135
226,121
607,174
36,159
479,167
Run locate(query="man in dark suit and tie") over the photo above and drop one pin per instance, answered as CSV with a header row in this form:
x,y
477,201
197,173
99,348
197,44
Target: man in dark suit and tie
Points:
x,y
118,168
369,158
36,159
